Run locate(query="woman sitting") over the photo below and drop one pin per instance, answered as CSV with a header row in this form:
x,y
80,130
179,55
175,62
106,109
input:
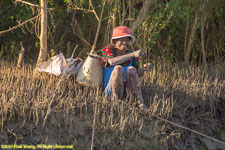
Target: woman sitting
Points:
x,y
121,71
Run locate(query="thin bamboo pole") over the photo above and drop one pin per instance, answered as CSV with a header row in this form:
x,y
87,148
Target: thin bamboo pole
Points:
x,y
98,29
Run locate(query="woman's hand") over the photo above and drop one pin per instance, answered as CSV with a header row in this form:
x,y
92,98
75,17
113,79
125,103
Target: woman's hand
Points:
x,y
139,53
95,56
147,67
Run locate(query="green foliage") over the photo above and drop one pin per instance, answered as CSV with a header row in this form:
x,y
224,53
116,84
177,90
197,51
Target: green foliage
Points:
x,y
12,15
164,32
154,24
167,29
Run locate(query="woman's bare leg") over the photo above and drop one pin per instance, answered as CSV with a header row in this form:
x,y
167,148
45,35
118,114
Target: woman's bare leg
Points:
x,y
116,81
134,85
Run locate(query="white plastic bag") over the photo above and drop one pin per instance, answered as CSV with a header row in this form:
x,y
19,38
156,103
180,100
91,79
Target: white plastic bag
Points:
x,y
74,66
57,65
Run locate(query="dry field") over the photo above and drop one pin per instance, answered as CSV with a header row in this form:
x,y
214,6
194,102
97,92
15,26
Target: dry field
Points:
x,y
191,97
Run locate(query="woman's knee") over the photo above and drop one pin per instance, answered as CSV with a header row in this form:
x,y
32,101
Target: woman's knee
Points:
x,y
118,68
131,70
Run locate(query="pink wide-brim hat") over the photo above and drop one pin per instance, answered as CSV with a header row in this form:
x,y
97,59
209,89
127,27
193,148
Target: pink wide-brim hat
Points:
x,y
120,32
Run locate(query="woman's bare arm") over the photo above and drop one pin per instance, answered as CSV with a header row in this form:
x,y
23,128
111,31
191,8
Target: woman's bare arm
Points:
x,y
120,59
140,72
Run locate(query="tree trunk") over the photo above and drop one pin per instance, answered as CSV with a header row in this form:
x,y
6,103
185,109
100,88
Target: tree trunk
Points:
x,y
78,32
203,19
21,56
130,12
124,12
141,16
115,9
191,40
43,36
68,49
186,32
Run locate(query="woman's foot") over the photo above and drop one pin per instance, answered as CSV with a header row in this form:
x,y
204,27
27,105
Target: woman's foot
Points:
x,y
142,106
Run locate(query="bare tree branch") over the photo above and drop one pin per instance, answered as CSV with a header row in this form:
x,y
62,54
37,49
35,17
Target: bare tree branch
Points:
x,y
141,16
28,3
191,39
78,32
61,40
93,9
82,9
15,27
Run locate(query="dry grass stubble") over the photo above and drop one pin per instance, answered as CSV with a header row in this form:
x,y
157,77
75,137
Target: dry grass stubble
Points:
x,y
191,97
